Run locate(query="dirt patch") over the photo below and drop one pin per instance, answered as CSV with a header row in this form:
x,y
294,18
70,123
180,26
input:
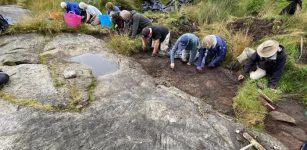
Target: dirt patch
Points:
x,y
291,135
216,86
254,27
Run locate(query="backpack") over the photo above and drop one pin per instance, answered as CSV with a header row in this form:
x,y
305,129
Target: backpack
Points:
x,y
3,24
4,78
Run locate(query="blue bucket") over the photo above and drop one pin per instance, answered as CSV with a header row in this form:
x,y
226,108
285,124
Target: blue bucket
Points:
x,y
105,20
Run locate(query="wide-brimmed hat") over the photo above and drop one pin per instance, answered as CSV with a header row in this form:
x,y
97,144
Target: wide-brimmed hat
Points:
x,y
267,48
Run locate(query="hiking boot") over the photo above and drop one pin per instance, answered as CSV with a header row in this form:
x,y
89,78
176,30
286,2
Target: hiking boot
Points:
x,y
235,66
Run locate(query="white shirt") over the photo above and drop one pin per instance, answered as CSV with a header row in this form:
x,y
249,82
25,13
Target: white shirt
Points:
x,y
93,10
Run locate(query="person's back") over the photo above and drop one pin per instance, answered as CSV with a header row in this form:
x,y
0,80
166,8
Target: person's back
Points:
x,y
92,10
138,22
159,32
73,7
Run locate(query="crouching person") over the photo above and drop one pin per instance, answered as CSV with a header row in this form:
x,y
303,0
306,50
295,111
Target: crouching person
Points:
x,y
160,37
187,42
71,7
135,21
92,13
212,52
270,60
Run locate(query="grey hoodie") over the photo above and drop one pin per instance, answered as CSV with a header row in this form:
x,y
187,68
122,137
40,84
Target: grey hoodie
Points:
x,y
137,23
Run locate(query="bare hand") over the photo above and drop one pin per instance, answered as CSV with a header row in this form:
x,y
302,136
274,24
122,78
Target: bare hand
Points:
x,y
241,77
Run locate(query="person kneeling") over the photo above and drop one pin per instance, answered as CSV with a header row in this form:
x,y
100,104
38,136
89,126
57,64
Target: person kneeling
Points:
x,y
270,59
212,52
159,36
186,42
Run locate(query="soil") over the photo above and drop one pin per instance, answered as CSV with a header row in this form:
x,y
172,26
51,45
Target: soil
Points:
x,y
291,135
215,86
254,27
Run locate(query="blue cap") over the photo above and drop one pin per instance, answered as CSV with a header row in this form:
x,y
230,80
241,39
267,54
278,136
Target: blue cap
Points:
x,y
183,42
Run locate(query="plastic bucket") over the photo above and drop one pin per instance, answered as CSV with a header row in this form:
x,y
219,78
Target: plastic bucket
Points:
x,y
105,20
72,20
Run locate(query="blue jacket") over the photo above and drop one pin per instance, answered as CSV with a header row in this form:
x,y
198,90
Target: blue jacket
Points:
x,y
193,42
216,54
73,7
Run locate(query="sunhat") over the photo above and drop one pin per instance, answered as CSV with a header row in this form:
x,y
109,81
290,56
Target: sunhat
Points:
x,y
267,48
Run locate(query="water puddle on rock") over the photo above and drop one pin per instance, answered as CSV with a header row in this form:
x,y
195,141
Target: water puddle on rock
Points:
x,y
99,65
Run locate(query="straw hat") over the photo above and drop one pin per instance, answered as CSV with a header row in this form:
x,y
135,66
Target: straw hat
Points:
x,y
208,41
109,5
125,14
82,5
268,48
63,5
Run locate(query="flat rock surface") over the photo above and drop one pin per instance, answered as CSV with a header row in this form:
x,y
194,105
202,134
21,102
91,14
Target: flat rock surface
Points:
x,y
280,116
130,110
21,49
30,81
16,13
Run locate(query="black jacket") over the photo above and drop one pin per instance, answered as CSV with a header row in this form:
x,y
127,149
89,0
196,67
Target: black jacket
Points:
x,y
273,68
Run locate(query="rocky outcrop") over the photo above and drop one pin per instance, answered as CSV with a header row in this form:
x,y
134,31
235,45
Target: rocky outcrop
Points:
x,y
21,49
16,13
130,109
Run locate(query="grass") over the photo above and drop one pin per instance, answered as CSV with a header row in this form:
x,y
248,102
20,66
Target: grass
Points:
x,y
124,45
91,89
25,102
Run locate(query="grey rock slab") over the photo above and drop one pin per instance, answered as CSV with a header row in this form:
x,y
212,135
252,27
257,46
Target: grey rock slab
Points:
x,y
16,13
130,111
280,116
74,44
31,81
21,49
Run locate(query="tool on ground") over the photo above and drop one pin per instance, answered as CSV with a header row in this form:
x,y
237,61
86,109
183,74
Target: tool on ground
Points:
x,y
265,100
253,142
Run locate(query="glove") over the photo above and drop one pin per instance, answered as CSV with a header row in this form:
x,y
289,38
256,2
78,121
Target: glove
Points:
x,y
172,65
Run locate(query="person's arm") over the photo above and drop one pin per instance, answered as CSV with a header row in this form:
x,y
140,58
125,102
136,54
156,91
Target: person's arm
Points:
x,y
87,17
144,43
201,57
173,52
135,25
156,46
221,53
249,64
274,78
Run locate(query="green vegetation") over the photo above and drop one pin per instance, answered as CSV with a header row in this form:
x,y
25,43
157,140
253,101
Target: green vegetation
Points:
x,y
124,45
25,102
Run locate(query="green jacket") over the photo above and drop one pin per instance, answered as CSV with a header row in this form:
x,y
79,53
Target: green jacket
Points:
x,y
137,23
